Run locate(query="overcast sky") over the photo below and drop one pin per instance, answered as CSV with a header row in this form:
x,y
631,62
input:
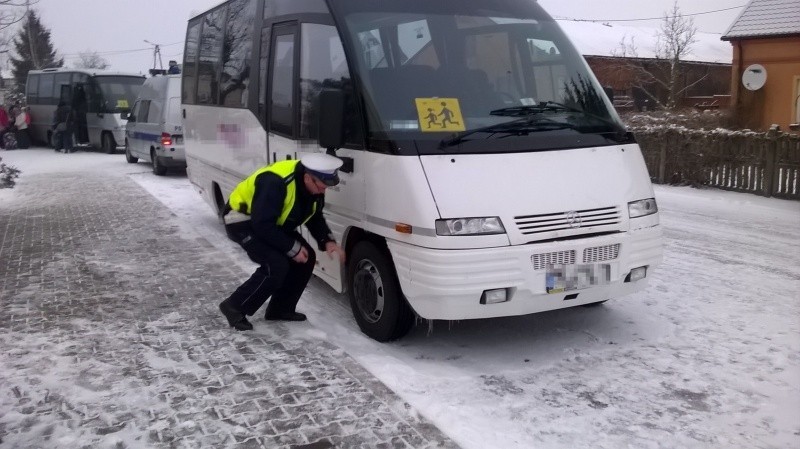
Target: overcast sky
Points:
x,y
117,29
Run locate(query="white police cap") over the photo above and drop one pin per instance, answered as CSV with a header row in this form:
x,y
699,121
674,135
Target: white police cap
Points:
x,y
323,166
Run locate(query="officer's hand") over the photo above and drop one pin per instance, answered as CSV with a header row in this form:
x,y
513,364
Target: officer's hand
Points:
x,y
301,256
332,248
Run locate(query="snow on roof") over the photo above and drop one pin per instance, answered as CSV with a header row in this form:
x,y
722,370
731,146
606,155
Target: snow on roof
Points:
x,y
766,18
597,39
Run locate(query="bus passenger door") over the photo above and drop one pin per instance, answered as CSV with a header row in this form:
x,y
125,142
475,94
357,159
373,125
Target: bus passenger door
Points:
x,y
94,116
323,67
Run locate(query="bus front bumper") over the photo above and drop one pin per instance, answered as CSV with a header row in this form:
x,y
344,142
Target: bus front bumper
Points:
x,y
451,284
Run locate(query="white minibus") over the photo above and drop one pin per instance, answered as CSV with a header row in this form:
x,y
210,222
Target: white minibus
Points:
x,y
154,129
486,173
97,98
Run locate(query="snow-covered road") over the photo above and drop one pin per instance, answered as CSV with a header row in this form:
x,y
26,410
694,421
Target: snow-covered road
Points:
x,y
708,356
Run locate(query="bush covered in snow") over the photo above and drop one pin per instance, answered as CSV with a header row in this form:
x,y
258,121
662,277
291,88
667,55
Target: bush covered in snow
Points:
x,y
718,121
7,175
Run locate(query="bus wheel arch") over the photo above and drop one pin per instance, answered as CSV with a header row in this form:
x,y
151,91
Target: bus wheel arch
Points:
x,y
376,299
219,201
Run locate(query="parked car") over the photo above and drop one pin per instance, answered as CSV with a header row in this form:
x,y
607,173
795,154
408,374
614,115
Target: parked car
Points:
x,y
154,131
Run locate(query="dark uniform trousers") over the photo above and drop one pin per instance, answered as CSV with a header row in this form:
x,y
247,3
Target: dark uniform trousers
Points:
x,y
277,276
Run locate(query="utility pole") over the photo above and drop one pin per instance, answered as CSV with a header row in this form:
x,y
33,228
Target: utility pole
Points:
x,y
32,47
156,52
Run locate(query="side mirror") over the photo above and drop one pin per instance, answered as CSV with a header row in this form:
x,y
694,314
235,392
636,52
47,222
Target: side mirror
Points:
x,y
330,120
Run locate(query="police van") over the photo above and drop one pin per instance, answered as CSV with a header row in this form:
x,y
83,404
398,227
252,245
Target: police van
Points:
x,y
485,174
154,131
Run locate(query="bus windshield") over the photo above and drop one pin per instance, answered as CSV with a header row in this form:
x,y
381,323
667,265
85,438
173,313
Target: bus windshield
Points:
x,y
469,77
118,93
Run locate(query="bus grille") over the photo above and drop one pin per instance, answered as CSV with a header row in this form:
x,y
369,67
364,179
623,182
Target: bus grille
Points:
x,y
590,255
571,220
541,261
600,253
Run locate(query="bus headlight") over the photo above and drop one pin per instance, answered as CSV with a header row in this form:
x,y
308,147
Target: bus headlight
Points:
x,y
642,208
470,226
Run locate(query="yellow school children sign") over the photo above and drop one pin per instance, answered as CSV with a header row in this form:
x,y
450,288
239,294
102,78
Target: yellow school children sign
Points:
x,y
439,114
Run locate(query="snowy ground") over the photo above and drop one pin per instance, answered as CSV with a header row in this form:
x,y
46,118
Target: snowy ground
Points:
x,y
708,356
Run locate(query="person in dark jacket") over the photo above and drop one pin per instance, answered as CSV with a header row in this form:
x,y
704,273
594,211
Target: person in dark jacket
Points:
x,y
63,122
262,215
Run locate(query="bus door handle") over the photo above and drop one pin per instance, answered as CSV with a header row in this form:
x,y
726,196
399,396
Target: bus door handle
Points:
x,y
347,167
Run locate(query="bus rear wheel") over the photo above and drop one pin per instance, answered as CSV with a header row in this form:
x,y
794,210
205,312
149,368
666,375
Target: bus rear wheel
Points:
x,y
108,144
158,168
378,305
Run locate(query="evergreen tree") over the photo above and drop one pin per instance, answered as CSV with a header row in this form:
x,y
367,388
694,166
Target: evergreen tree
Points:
x,y
33,50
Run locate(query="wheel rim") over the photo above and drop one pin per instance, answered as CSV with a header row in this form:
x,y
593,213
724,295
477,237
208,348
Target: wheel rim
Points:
x,y
368,291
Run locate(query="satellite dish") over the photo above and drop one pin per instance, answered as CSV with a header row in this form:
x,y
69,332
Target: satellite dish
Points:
x,y
754,77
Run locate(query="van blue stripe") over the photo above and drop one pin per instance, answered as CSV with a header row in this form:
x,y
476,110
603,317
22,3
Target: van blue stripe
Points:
x,y
146,136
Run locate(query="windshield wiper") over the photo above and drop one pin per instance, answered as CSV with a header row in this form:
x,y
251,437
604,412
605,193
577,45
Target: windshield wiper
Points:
x,y
521,125
544,106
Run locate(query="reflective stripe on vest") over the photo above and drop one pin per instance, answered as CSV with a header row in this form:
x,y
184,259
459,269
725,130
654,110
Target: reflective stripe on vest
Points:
x,y
241,198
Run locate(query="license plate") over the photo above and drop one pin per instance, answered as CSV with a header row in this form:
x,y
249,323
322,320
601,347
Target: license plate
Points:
x,y
563,278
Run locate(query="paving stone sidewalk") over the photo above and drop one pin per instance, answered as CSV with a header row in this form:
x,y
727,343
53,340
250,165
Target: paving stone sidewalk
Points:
x,y
111,337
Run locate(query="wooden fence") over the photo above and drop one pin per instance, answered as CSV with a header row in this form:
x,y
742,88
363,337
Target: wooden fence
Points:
x,y
764,164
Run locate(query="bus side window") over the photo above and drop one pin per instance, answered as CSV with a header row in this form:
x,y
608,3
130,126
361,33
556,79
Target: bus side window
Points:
x,y
210,62
144,108
33,89
63,88
46,83
189,81
236,54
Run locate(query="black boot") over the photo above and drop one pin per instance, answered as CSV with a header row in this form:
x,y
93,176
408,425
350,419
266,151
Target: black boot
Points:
x,y
235,318
284,316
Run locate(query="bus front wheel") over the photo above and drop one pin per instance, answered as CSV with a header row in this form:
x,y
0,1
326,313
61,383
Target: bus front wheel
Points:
x,y
378,305
128,156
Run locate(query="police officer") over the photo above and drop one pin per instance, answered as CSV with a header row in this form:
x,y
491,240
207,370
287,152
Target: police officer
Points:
x,y
262,215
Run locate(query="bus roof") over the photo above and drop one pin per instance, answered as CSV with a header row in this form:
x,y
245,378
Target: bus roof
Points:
x,y
90,72
200,13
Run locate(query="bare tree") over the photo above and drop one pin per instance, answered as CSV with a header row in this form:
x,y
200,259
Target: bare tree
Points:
x,y
11,13
90,60
661,79
674,44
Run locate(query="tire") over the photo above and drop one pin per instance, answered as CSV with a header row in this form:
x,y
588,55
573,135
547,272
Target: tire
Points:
x,y
594,304
128,156
378,305
108,144
158,169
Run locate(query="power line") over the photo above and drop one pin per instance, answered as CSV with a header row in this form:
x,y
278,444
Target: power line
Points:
x,y
652,18
118,52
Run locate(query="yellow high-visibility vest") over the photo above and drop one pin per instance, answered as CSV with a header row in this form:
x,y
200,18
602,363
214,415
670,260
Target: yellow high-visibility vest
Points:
x,y
241,198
